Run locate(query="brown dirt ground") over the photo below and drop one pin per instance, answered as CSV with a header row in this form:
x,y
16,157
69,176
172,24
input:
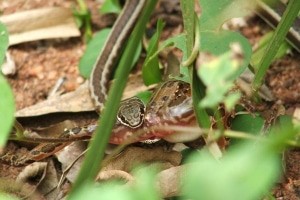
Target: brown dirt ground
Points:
x,y
40,64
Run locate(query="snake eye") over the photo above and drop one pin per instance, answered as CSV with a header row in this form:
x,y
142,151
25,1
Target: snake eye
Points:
x,y
131,112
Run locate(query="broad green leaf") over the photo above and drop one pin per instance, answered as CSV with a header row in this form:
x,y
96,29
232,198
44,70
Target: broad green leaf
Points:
x,y
219,43
7,109
216,12
92,51
110,6
249,123
151,72
216,40
3,42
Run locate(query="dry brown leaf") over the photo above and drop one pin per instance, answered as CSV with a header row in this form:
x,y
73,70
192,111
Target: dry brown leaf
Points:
x,y
125,161
133,156
17,190
51,131
31,171
32,176
37,24
77,101
121,165
68,155
48,185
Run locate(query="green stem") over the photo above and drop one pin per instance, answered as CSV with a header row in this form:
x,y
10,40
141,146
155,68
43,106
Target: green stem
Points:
x,y
190,21
191,59
219,121
95,154
282,29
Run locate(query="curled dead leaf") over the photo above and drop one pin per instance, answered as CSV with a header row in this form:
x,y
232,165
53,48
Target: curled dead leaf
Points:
x,y
37,24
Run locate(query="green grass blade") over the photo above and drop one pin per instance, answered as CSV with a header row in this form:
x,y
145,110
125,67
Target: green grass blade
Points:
x,y
7,106
283,27
95,154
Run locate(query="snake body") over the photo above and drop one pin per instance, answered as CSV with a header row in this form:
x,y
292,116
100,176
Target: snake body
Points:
x,y
104,65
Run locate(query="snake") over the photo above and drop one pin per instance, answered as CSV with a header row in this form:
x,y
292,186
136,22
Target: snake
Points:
x,y
105,62
171,102
133,115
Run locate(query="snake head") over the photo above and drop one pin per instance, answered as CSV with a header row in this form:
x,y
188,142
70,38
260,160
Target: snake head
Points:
x,y
131,112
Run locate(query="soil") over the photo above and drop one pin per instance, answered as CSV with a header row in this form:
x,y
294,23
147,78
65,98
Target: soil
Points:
x,y
40,64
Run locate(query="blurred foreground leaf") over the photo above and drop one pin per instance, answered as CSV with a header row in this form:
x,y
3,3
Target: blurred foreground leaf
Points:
x,y
247,171
7,107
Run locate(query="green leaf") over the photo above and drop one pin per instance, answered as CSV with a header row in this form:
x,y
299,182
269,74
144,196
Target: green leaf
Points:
x,y
218,75
7,109
231,100
249,123
216,40
178,41
216,12
151,72
110,6
219,43
3,42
